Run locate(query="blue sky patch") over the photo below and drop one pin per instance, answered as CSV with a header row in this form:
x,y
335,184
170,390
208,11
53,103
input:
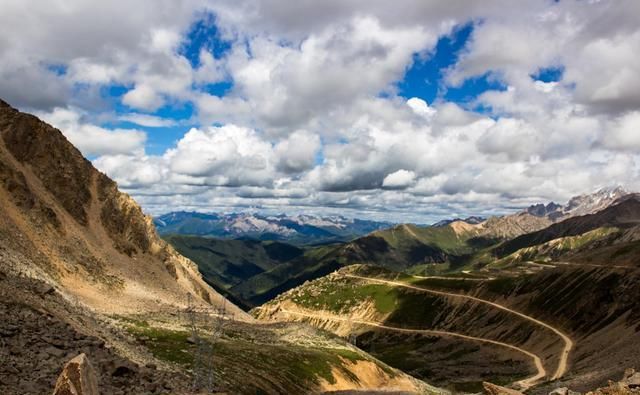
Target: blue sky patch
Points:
x,y
204,34
424,78
549,74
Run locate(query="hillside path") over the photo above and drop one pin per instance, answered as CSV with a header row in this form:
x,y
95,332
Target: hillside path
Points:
x,y
593,265
524,384
568,343
454,278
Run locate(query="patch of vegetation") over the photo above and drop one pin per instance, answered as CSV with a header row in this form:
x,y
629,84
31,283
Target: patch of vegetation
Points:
x,y
251,353
340,297
164,344
427,357
141,323
298,364
557,248
444,284
417,310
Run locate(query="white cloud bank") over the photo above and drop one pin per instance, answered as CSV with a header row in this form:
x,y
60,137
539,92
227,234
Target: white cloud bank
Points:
x,y
313,120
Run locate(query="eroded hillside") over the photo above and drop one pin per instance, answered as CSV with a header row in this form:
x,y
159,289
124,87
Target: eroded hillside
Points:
x,y
580,322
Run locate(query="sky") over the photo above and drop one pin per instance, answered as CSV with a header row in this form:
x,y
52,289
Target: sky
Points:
x,y
409,111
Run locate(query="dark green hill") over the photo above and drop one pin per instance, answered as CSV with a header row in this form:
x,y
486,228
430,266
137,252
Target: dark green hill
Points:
x,y
252,272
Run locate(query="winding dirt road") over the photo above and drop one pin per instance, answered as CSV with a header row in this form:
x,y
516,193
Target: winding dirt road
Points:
x,y
568,343
523,384
455,278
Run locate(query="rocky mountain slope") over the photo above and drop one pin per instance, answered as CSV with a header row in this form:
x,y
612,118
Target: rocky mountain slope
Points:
x,y
297,229
64,222
610,236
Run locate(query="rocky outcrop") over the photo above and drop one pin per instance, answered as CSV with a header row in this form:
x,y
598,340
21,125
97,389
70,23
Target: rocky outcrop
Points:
x,y
77,378
123,219
563,391
631,379
61,168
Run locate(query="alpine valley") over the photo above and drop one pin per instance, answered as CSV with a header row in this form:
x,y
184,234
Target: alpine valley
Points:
x,y
92,300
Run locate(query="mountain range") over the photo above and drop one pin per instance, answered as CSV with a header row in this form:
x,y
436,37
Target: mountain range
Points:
x,y
299,229
251,272
563,297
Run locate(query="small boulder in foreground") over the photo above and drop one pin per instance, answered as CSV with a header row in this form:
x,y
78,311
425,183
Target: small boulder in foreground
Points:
x,y
77,378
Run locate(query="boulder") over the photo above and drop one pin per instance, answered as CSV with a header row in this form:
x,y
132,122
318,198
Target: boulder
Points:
x,y
492,389
77,378
633,381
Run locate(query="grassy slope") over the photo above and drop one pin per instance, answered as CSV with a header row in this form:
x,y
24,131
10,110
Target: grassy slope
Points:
x,y
561,248
423,356
398,248
227,263
256,359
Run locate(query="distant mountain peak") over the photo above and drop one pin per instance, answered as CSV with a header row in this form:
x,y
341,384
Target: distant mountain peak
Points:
x,y
591,203
471,220
579,205
542,210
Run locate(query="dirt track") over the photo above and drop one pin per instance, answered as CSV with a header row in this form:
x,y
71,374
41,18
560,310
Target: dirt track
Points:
x,y
568,343
524,384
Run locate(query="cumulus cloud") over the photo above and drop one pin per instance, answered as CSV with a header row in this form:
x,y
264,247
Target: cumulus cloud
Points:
x,y
512,138
399,179
227,155
624,133
91,139
143,97
298,152
288,87
420,107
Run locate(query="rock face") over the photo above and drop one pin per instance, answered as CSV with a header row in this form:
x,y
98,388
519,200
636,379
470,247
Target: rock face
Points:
x,y
77,378
64,222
